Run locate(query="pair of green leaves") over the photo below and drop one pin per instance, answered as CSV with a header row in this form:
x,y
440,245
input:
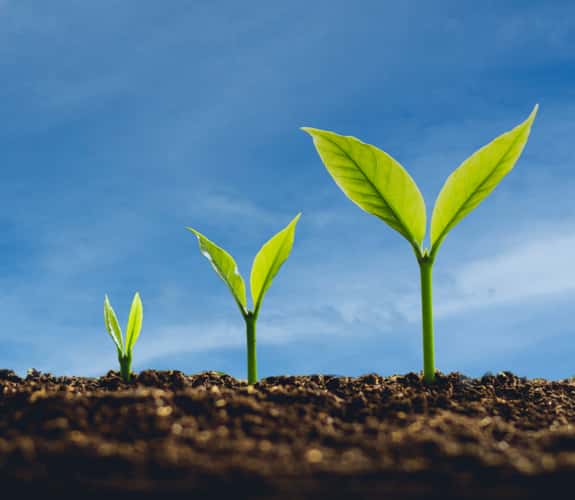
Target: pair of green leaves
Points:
x,y
266,265
378,184
133,327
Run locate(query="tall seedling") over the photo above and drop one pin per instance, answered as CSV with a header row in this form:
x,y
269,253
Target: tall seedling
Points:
x,y
266,265
378,184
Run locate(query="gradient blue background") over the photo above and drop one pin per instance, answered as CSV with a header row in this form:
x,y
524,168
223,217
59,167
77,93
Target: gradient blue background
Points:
x,y
123,121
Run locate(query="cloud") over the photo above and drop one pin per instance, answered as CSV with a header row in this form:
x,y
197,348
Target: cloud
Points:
x,y
537,268
204,335
382,289
224,203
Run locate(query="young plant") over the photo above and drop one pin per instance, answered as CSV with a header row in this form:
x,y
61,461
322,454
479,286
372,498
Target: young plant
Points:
x,y
266,265
124,347
378,184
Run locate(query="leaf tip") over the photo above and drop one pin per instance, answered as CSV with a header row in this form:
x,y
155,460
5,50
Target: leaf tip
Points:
x,y
197,234
533,112
313,132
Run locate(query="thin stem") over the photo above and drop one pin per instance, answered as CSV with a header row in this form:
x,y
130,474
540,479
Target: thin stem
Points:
x,y
251,342
125,367
426,267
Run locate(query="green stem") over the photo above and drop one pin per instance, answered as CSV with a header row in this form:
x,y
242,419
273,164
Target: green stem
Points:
x,y
125,367
425,268
251,341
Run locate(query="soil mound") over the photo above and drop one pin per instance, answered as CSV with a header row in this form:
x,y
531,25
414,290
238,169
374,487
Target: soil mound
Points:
x,y
169,435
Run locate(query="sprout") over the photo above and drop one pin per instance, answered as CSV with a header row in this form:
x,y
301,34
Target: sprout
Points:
x,y
132,333
266,265
378,184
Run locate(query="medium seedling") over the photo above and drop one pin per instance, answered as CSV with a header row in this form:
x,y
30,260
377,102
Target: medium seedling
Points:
x,y
266,265
378,184
124,347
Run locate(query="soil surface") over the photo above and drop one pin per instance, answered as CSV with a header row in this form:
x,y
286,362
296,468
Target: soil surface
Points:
x,y
169,435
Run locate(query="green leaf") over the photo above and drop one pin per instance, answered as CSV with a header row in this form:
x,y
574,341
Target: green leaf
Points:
x,y
374,181
226,268
112,325
134,322
475,178
268,261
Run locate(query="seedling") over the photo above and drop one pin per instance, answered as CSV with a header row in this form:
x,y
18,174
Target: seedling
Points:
x,y
266,265
378,184
133,328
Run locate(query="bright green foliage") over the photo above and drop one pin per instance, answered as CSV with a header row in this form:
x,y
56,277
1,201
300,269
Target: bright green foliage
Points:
x,y
374,181
225,267
475,178
268,261
266,265
133,328
380,185
112,325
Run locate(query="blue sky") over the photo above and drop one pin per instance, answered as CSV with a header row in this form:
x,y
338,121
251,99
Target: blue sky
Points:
x,y
125,121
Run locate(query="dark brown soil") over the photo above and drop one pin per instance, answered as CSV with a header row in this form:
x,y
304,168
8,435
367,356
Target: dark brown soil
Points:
x,y
168,435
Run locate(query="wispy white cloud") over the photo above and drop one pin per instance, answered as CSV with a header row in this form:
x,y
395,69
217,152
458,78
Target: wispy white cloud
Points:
x,y
73,254
382,290
204,335
531,269
534,267
375,295
222,203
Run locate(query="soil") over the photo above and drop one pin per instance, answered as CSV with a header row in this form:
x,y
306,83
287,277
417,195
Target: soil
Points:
x,y
169,435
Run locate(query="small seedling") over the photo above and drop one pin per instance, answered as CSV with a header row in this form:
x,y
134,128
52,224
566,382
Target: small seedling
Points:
x,y
378,184
133,328
266,265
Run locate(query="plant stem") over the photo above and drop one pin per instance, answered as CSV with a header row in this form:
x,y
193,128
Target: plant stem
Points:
x,y
125,367
425,268
251,342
